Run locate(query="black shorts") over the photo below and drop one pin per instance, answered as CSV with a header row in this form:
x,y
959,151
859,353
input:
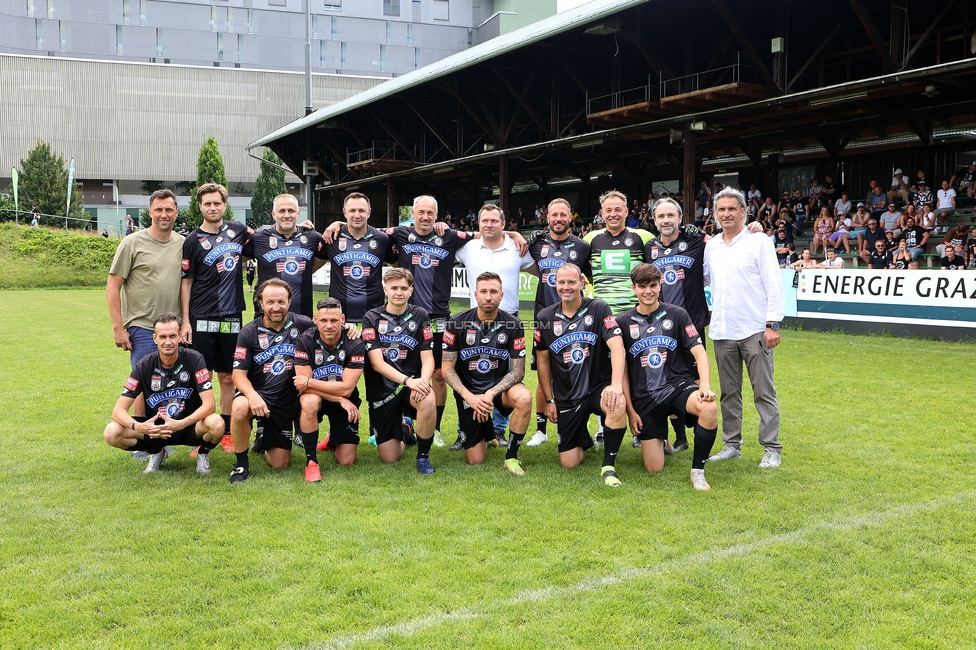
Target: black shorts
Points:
x,y
654,419
186,437
386,419
341,430
472,432
574,419
278,429
216,340
439,324
532,360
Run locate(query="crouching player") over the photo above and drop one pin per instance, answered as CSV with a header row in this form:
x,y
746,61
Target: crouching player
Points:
x,y
179,401
484,362
580,359
399,345
265,379
328,365
662,346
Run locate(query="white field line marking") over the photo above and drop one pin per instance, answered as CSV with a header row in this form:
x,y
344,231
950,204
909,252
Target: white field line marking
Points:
x,y
423,623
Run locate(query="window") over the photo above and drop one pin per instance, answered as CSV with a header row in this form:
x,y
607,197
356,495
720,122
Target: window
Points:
x,y
442,10
30,8
61,35
409,33
159,45
118,40
142,12
240,48
333,5
50,8
335,28
250,21
315,26
323,59
278,3
389,32
382,58
342,57
126,12
230,20
39,33
391,7
220,46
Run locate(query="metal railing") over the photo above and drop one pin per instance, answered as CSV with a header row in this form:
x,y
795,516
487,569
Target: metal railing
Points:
x,y
29,218
621,98
380,151
735,73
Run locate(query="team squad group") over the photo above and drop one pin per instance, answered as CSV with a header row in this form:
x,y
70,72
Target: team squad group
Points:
x,y
633,353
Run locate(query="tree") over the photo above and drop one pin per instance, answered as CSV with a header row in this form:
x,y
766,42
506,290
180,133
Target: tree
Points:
x,y
270,183
44,183
210,169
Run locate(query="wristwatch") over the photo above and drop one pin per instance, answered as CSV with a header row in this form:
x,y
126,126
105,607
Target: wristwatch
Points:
x,y
772,326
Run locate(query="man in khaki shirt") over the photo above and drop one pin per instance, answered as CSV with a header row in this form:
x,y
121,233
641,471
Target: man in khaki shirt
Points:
x,y
144,280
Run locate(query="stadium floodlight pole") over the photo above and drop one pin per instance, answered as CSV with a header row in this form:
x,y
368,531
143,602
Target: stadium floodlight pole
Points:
x,y
308,56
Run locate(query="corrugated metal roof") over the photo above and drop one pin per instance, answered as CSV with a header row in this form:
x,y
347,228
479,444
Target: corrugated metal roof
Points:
x,y
586,13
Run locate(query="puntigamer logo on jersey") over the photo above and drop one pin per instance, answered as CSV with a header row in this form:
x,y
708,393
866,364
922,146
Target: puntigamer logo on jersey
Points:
x,y
615,261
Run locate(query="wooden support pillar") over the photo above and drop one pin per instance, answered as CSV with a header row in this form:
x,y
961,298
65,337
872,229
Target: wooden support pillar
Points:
x,y
688,175
504,188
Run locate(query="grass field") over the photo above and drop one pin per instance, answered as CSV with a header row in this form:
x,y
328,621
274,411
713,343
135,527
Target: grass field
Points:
x,y
864,538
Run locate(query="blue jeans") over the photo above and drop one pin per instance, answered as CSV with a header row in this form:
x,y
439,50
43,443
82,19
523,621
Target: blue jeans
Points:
x,y
142,344
499,421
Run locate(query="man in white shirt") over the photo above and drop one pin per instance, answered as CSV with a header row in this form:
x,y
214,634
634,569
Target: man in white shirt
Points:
x,y
495,251
946,203
747,306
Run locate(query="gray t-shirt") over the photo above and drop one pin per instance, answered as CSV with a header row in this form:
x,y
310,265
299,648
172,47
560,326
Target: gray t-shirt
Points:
x,y
151,270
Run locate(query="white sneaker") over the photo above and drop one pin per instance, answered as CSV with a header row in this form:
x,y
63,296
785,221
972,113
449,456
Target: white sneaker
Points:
x,y
537,439
771,458
203,464
728,452
140,455
439,439
155,460
698,480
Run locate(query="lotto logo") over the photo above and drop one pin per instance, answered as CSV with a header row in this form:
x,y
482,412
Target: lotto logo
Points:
x,y
615,261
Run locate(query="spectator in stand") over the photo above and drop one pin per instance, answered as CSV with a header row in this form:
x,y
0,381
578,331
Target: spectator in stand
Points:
x,y
866,241
767,212
798,205
923,195
915,237
841,234
793,257
910,211
899,186
946,203
951,261
891,242
703,195
881,257
842,206
890,220
806,261
784,204
964,180
871,185
877,201
859,222
755,197
829,193
813,196
955,239
634,217
902,256
832,261
823,227
927,219
781,242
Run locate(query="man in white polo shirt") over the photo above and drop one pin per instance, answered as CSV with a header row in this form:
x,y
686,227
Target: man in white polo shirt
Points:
x,y
747,307
495,251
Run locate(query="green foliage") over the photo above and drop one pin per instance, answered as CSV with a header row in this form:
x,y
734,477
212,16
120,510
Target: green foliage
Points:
x,y
148,187
210,169
7,209
269,184
44,183
183,217
43,257
862,539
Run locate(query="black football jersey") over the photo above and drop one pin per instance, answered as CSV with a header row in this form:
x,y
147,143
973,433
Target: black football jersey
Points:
x,y
268,356
290,259
431,260
213,261
402,338
174,392
484,350
578,354
682,274
356,270
550,254
658,351
328,363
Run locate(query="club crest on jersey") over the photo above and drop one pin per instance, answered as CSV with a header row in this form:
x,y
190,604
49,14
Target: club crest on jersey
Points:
x,y
156,383
572,255
438,241
628,242
683,246
587,320
412,238
557,327
412,326
263,340
576,354
319,357
470,337
394,353
342,244
272,242
502,337
545,250
667,324
654,253
634,330
231,234
654,360
303,239
483,365
383,326
184,375
372,244
205,243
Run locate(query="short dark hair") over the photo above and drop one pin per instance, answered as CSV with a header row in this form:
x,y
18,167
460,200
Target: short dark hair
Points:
x,y
168,317
162,194
645,274
329,303
273,282
210,188
396,273
487,276
491,207
356,195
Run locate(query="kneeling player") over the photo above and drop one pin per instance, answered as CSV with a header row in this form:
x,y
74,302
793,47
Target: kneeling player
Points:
x,y
265,380
328,365
662,347
484,362
179,401
581,364
399,341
